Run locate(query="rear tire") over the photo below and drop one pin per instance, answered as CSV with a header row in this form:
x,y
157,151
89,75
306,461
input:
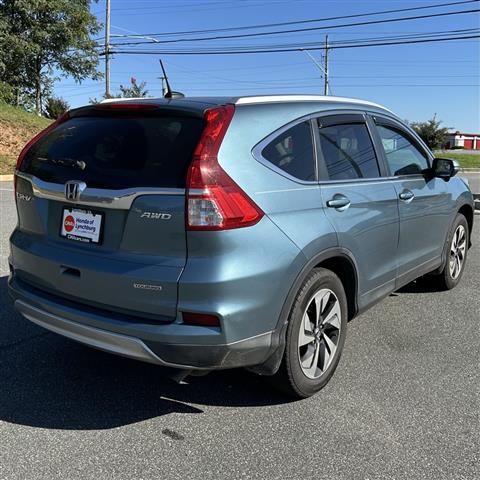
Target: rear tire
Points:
x,y
315,336
456,256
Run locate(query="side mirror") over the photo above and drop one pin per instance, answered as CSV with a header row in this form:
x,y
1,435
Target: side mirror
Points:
x,y
445,168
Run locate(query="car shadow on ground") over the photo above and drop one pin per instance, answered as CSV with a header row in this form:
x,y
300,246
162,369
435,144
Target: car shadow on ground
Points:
x,y
48,381
425,284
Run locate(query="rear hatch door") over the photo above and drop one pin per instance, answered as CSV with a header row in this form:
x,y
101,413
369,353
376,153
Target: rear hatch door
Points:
x,y
101,206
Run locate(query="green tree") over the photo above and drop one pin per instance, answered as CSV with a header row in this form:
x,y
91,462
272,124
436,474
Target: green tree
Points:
x,y
39,37
55,107
6,93
431,132
134,90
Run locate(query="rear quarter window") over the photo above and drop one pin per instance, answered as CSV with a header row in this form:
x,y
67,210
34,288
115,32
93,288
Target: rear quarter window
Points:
x,y
292,152
117,152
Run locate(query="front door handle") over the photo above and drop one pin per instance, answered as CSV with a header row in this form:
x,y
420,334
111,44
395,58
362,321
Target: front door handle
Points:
x,y
339,201
406,195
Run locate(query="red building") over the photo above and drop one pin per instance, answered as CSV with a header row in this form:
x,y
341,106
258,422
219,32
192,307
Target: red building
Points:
x,y
469,141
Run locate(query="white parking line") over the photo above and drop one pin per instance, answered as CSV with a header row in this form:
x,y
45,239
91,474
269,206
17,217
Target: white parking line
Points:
x,y
6,189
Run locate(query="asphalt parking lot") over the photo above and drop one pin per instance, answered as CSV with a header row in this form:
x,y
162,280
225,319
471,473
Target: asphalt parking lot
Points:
x,y
403,404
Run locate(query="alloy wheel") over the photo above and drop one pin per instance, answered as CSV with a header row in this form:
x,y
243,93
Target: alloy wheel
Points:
x,y
319,333
458,248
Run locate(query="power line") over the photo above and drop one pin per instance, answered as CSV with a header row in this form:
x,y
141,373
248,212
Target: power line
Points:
x,y
284,82
306,87
196,4
287,49
315,20
206,6
344,41
367,85
307,45
406,36
309,29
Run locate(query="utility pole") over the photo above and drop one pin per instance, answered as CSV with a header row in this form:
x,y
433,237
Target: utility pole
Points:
x,y
323,68
325,76
107,49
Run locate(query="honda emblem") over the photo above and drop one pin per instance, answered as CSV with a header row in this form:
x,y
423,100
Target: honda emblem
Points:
x,y
73,189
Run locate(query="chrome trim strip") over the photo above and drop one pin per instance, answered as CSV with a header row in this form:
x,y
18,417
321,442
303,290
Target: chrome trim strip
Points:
x,y
95,197
116,343
350,181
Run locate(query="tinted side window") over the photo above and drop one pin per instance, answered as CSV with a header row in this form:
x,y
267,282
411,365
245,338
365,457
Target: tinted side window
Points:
x,y
292,152
348,152
402,156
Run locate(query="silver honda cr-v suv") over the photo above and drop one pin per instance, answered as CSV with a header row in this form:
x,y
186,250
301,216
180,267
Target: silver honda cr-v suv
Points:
x,y
212,233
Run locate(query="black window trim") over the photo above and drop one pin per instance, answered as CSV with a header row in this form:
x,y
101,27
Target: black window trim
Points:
x,y
384,120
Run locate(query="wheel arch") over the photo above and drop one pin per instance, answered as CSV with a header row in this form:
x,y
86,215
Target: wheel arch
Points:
x,y
467,211
345,268
341,262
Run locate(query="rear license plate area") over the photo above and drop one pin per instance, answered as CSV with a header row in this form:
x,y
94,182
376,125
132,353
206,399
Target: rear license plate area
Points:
x,y
82,225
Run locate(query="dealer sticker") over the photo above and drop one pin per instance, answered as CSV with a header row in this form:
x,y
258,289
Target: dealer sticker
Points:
x,y
81,225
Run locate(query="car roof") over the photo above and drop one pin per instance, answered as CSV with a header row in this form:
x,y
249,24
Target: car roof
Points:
x,y
208,102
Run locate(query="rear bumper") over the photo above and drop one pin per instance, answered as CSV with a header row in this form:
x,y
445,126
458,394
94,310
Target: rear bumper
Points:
x,y
137,340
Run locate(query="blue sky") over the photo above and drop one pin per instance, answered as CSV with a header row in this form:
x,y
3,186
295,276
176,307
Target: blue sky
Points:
x,y
415,81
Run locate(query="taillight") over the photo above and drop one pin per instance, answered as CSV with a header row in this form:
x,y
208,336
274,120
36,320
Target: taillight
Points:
x,y
214,200
38,136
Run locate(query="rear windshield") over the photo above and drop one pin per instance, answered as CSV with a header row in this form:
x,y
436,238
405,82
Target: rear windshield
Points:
x,y
117,152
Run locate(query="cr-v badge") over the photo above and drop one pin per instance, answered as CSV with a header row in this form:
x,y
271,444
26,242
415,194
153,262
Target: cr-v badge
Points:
x,y
22,196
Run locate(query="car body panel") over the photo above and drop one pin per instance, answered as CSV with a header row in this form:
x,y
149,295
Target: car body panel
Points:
x,y
369,228
135,268
424,220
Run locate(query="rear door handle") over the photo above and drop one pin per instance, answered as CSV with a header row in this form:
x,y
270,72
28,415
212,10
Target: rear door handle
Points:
x,y
406,195
339,201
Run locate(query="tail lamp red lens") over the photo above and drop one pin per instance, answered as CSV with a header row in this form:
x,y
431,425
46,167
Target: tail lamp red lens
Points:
x,y
214,200
200,319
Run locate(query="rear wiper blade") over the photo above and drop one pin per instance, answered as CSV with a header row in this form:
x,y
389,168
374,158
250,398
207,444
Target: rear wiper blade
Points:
x,y
65,162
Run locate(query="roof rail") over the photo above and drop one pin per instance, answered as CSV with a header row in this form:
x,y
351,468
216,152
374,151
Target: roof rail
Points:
x,y
303,98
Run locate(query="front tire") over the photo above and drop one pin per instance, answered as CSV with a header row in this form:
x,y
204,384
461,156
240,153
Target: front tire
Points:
x,y
315,335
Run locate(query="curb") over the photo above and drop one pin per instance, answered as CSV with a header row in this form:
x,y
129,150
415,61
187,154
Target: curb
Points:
x,y
470,170
6,178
